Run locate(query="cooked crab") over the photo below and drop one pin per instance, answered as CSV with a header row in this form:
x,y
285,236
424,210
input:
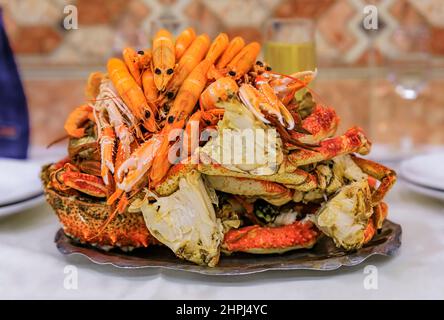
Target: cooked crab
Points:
x,y
186,221
217,152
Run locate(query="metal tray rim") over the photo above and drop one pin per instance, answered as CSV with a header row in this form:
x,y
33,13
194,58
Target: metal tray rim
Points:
x,y
387,248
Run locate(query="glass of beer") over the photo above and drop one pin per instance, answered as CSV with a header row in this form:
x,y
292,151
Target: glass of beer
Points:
x,y
290,45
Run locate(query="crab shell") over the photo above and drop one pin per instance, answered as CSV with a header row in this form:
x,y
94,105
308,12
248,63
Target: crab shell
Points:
x,y
265,240
82,219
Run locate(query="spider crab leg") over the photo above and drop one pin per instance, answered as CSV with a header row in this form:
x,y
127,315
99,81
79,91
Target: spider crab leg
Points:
x,y
271,192
69,176
386,176
354,140
265,240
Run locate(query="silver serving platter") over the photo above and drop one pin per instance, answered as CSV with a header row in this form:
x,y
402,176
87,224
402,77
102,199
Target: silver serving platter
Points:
x,y
323,256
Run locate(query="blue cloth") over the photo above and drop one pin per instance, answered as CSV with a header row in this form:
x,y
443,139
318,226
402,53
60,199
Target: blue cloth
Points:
x,y
14,122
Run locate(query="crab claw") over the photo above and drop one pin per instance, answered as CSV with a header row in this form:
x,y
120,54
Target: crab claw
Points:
x,y
285,87
285,117
70,177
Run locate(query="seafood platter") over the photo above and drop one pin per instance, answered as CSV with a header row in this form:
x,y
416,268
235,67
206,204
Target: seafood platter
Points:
x,y
193,154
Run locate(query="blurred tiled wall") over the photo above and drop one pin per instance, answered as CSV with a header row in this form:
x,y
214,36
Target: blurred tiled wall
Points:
x,y
35,26
55,61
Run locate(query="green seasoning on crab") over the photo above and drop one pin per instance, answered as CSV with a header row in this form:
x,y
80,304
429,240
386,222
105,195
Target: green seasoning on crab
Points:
x,y
186,222
345,217
243,143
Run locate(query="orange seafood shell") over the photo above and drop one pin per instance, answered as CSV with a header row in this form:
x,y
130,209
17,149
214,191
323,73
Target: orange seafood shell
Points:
x,y
81,220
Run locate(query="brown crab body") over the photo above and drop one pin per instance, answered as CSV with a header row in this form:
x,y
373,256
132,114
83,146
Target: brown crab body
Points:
x,y
82,220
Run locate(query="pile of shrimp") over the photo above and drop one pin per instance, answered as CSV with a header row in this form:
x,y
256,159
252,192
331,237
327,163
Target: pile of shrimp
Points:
x,y
148,94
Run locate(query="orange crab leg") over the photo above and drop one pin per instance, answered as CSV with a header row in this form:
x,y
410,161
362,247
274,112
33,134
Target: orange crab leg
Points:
x,y
85,183
285,86
354,140
369,231
257,239
380,214
320,124
91,167
271,192
386,176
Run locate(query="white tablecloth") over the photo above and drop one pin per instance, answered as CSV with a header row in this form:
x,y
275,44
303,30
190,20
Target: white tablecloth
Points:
x,y
31,266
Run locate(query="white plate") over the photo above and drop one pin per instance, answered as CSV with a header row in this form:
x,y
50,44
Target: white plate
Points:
x,y
19,180
386,153
425,191
425,170
20,206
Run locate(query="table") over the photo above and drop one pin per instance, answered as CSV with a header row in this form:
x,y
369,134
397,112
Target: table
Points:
x,y
31,266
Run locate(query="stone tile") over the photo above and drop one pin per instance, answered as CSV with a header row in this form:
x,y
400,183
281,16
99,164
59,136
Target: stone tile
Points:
x,y
371,57
407,14
236,13
437,43
334,26
248,33
357,101
129,32
38,39
433,112
130,29
49,103
378,40
327,55
167,2
137,11
303,8
87,45
37,12
92,12
350,99
418,119
374,2
340,40
204,18
432,10
384,116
